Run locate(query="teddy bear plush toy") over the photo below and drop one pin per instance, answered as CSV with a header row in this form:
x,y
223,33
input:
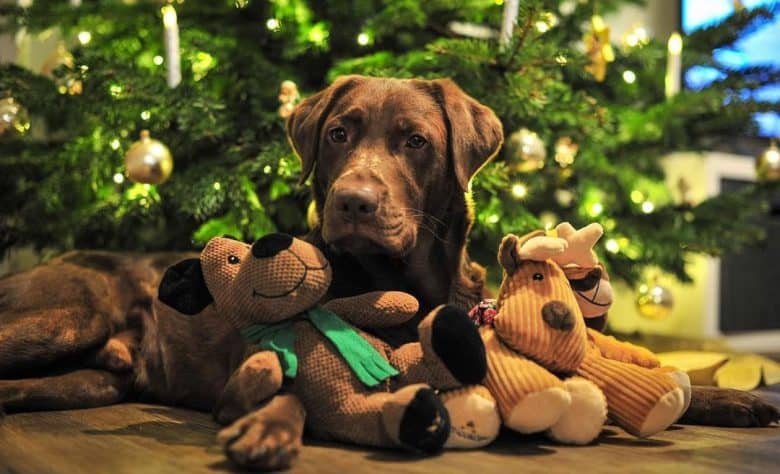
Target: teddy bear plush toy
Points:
x,y
353,387
539,330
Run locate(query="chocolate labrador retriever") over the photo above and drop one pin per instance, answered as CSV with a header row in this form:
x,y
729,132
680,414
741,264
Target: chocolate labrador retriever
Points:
x,y
391,162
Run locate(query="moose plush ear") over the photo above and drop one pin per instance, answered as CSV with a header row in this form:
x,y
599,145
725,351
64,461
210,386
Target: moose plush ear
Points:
x,y
508,256
474,133
304,126
183,287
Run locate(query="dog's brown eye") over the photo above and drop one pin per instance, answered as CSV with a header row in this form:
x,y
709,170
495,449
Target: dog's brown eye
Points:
x,y
416,141
338,134
538,277
232,259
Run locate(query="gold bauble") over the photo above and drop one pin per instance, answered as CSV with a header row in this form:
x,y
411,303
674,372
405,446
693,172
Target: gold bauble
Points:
x,y
14,119
148,161
768,164
598,48
654,301
526,151
565,151
288,98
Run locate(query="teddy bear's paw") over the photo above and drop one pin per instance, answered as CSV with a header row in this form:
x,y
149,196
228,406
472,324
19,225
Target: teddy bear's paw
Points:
x,y
582,422
261,442
416,419
538,411
684,382
474,418
456,341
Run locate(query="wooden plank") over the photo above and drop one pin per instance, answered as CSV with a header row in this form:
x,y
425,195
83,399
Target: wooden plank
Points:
x,y
132,438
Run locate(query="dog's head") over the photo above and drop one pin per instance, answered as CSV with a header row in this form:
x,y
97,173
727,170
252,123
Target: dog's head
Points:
x,y
538,314
385,153
273,279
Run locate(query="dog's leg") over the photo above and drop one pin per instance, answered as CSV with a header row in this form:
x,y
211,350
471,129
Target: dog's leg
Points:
x,y
727,407
268,438
116,355
258,378
77,389
38,338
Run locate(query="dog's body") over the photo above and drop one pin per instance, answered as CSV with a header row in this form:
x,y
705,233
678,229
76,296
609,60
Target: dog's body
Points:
x,y
391,160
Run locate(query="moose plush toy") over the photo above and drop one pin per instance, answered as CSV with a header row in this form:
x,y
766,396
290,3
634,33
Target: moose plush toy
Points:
x,y
353,387
539,329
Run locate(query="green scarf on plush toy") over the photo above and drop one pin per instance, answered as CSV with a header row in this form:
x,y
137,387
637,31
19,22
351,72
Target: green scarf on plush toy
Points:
x,y
369,367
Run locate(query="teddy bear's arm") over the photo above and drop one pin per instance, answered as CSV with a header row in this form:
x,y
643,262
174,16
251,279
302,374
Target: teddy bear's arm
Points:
x,y
377,309
613,349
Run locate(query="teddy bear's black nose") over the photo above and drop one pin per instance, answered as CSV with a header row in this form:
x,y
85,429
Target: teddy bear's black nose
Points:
x,y
271,245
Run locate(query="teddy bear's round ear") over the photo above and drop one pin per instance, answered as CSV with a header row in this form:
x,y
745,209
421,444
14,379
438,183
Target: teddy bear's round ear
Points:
x,y
183,287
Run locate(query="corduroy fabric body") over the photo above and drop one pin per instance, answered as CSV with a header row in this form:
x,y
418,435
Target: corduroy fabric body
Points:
x,y
511,376
632,391
621,351
519,322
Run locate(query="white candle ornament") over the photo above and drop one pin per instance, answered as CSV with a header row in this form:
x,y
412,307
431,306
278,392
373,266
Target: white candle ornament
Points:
x,y
172,54
673,65
511,9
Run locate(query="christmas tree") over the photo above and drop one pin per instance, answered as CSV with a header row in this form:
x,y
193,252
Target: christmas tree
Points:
x,y
586,121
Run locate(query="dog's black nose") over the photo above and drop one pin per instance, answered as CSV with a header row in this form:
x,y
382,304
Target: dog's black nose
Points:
x,y
558,316
271,245
356,203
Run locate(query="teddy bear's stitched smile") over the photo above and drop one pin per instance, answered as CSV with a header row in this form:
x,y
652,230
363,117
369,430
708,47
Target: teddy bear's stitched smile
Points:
x,y
306,269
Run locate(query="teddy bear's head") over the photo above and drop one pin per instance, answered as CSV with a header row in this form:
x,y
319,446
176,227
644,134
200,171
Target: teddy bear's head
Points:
x,y
270,280
538,314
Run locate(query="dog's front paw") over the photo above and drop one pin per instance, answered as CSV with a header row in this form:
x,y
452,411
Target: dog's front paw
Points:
x,y
456,341
728,407
264,440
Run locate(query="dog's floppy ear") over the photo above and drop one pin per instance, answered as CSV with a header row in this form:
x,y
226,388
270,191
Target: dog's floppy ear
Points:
x,y
183,287
304,126
474,132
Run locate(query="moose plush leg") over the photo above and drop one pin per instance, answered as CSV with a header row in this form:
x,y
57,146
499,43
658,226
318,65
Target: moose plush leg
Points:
x,y
450,352
582,422
256,380
268,438
35,339
642,401
77,389
530,398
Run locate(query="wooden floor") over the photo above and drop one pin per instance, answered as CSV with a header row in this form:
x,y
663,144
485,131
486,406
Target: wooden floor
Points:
x,y
133,438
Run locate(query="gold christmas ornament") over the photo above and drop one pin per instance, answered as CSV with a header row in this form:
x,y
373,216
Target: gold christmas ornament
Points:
x,y
565,151
288,98
526,151
768,164
654,301
312,217
598,48
14,120
148,161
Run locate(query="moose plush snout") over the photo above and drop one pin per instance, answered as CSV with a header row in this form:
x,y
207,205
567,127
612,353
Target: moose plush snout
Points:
x,y
558,316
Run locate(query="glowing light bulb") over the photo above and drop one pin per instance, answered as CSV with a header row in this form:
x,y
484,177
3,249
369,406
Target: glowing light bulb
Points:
x,y
596,209
648,207
363,39
629,76
519,190
119,178
273,24
146,115
157,60
612,245
675,43
114,146
84,37
216,186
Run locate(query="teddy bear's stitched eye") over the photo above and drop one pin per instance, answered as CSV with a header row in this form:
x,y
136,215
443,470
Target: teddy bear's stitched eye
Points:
x,y
233,259
538,277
